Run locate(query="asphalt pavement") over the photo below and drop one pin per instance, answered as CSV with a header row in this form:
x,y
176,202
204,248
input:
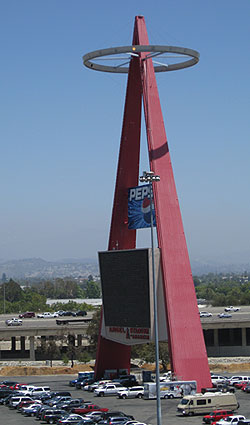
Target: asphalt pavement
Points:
x,y
142,410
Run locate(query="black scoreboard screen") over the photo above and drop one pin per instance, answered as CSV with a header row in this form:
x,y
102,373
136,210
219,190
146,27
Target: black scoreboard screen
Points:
x,y
125,287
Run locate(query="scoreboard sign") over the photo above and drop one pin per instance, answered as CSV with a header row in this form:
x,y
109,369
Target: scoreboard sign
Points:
x,y
127,291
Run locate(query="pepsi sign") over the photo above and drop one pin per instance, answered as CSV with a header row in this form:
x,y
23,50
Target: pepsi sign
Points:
x,y
139,214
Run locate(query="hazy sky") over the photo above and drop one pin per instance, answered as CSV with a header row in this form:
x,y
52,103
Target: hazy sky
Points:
x,y
60,123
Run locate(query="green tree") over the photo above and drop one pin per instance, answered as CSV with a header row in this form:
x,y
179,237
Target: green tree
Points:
x,y
50,349
92,290
13,291
93,330
146,353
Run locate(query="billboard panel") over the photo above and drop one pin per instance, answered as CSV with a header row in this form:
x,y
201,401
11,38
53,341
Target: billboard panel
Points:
x,y
139,207
127,292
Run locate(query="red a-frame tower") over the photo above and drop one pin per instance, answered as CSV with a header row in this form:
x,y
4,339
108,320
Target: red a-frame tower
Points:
x,y
185,336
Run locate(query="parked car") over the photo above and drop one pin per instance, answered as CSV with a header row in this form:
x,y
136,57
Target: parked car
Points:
x,y
88,407
133,392
70,404
27,315
205,314
14,401
97,384
109,389
216,415
113,420
27,403
51,416
41,409
30,410
80,384
230,420
218,379
95,415
224,315
126,380
107,415
38,391
58,399
231,308
235,379
70,419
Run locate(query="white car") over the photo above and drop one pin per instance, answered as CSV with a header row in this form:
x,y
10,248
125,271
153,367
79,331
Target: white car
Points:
x,y
109,389
14,322
131,392
217,379
205,314
231,308
224,315
231,420
47,315
97,384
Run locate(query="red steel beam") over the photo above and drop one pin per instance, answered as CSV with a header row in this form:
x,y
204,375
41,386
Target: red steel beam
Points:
x,y
112,355
185,335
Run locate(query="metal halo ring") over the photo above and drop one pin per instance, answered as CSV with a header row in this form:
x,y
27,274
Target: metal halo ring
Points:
x,y
193,54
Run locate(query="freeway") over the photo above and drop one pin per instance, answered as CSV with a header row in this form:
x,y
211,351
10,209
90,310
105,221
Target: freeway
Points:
x,y
37,327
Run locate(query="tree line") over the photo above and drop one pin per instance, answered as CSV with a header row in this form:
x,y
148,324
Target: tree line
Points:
x,y
15,298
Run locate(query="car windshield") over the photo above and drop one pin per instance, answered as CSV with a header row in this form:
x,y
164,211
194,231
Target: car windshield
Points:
x,y
184,401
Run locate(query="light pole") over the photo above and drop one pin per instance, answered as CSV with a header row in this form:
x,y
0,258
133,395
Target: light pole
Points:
x,y
150,177
4,297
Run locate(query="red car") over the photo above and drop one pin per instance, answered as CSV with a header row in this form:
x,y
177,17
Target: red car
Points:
x,y
88,407
27,315
239,385
216,415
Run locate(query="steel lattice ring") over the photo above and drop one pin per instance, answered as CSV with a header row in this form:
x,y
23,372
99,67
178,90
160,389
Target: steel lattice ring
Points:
x,y
192,57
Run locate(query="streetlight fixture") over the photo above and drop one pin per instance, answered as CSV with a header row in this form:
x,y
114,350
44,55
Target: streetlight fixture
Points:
x,y
150,177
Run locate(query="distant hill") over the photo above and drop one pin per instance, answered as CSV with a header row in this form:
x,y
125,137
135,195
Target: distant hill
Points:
x,y
41,269
204,267
38,268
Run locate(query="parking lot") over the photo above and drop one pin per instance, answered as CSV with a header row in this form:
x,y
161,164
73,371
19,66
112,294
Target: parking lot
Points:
x,y
142,410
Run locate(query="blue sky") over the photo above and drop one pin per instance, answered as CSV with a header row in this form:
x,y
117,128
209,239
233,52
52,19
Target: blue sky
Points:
x,y
60,124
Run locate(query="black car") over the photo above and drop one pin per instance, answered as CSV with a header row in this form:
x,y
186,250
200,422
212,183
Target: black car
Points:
x,y
40,411
81,313
81,383
70,404
127,380
106,415
113,420
5,392
51,416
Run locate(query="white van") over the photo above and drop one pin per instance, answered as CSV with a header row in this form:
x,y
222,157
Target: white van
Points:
x,y
205,403
237,379
39,391
17,399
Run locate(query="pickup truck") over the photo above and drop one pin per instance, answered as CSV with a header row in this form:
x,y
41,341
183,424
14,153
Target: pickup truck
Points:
x,y
109,389
231,308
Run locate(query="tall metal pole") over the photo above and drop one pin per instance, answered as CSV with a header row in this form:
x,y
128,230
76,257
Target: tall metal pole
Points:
x,y
150,177
4,297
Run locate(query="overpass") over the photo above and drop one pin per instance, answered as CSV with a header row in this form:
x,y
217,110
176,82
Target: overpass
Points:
x,y
223,337
21,341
